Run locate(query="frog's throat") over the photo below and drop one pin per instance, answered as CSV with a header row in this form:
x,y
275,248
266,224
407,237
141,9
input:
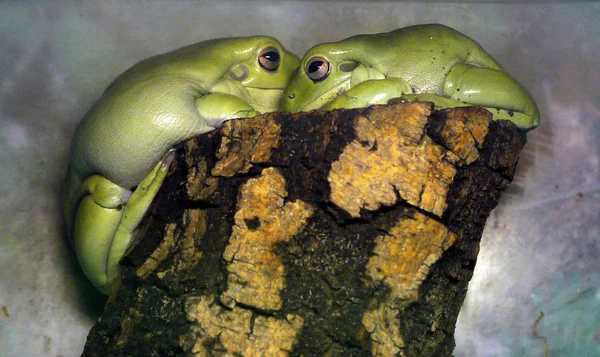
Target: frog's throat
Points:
x,y
327,96
264,100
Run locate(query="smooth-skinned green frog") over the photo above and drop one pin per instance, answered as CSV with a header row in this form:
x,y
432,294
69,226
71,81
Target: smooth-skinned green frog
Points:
x,y
121,150
419,63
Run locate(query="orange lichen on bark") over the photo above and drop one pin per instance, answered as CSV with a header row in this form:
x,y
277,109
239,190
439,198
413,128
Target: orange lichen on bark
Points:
x,y
263,219
236,155
238,332
199,184
194,221
390,158
403,256
384,327
465,130
402,259
159,254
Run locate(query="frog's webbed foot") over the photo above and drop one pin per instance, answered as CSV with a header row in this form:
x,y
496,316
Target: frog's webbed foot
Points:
x,y
106,220
216,108
134,212
495,90
369,92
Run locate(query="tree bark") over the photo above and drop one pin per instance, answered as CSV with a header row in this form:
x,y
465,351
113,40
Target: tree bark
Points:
x,y
342,233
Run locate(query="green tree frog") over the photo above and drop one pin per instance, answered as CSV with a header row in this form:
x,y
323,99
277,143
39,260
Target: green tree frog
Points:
x,y
419,63
121,150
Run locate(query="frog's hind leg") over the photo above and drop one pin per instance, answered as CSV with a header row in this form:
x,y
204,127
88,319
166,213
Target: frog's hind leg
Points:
x,y
96,220
106,219
495,90
133,213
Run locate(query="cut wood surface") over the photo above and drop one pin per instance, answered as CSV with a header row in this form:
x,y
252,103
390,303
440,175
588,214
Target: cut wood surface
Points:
x,y
342,233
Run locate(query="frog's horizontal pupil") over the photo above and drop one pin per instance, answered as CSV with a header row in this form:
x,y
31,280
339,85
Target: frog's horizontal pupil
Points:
x,y
269,58
315,66
272,56
317,69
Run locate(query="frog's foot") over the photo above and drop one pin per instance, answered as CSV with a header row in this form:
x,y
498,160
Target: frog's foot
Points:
x,y
370,92
216,108
96,220
494,90
523,121
439,102
133,213
106,220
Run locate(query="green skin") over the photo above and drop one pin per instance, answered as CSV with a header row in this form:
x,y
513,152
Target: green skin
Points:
x,y
419,63
122,149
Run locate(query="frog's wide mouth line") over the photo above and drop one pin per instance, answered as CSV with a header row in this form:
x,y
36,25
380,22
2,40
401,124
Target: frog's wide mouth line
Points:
x,y
266,89
270,98
327,97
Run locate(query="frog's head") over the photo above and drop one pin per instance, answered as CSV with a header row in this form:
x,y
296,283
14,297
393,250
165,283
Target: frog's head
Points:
x,y
327,71
256,69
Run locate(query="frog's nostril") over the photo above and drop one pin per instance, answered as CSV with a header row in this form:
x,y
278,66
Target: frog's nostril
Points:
x,y
291,95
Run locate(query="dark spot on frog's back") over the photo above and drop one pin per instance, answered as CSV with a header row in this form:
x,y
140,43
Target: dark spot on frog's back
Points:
x,y
253,223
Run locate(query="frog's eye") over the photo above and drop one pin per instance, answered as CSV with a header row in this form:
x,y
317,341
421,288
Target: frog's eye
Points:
x,y
269,58
317,69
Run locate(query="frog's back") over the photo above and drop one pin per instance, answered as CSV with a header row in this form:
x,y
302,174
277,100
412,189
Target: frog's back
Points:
x,y
424,54
125,132
202,61
433,42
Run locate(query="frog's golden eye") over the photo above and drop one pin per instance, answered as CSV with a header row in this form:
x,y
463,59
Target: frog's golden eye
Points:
x,y
269,59
317,69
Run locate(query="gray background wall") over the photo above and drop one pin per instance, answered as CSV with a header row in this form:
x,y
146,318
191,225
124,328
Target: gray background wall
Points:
x,y
540,251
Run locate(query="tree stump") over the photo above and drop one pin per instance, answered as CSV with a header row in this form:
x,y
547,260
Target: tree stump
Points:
x,y
341,233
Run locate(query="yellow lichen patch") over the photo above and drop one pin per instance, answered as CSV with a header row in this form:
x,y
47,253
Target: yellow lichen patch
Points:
x,y
159,254
244,143
199,184
195,222
392,155
263,219
465,130
403,256
384,328
237,332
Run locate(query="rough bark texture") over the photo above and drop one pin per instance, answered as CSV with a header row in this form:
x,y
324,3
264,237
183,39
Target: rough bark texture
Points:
x,y
343,233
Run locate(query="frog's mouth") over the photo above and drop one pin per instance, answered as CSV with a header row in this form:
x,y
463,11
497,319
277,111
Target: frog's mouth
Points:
x,y
326,97
270,98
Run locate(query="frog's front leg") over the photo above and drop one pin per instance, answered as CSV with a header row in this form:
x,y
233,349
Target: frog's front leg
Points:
x,y
495,90
215,108
439,101
374,91
106,220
